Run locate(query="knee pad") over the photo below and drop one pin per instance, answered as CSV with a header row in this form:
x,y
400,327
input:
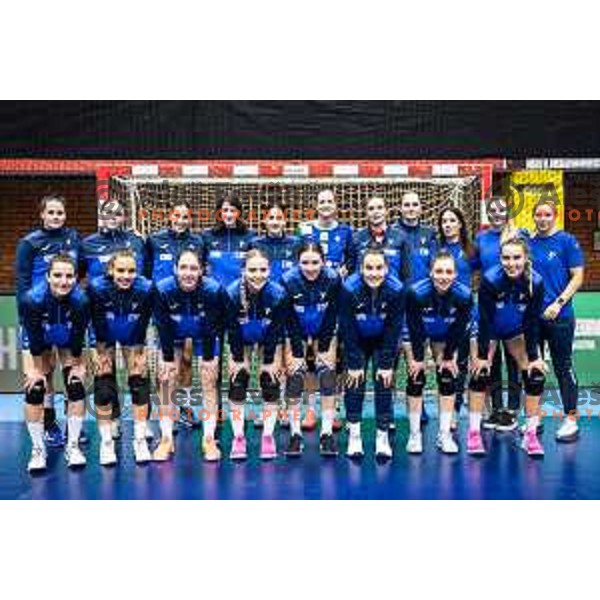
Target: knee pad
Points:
x,y
446,382
74,389
35,395
327,381
294,385
271,390
415,387
238,386
140,390
534,383
105,390
481,382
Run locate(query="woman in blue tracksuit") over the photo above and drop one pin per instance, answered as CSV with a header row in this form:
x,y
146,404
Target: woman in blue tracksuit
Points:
x,y
256,312
312,290
370,324
558,258
188,306
121,307
511,298
487,255
454,238
34,253
438,309
162,249
55,315
226,244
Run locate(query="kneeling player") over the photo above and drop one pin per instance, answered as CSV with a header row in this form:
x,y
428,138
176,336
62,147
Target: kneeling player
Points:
x,y
55,314
438,309
371,313
121,306
188,306
511,299
313,291
256,311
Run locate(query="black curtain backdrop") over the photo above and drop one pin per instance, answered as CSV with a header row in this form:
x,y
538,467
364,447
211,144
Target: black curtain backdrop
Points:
x,y
298,129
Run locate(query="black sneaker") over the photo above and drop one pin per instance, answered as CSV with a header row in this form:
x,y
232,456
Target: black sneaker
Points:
x,y
506,421
492,421
295,446
327,445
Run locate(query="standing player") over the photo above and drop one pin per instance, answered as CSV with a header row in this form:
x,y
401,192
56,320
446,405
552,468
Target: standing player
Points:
x,y
256,312
335,239
558,258
97,250
378,234
511,299
121,306
312,290
487,255
438,309
162,249
188,306
55,314
371,313
34,253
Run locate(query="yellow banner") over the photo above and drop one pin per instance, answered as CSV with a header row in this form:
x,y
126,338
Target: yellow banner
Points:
x,y
527,188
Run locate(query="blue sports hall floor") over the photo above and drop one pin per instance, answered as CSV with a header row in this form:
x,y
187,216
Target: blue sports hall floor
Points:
x,y
568,471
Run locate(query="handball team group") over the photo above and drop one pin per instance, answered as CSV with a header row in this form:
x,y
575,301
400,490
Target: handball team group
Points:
x,y
328,309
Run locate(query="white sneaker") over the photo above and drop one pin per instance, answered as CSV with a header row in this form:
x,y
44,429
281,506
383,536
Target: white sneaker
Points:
x,y
115,427
37,462
382,445
568,430
355,446
445,442
141,451
415,443
74,456
108,455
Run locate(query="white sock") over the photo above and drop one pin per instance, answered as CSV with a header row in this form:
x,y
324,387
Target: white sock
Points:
x,y
105,431
237,419
327,417
354,429
74,426
139,429
474,421
36,432
166,426
294,419
269,418
445,421
210,425
49,400
414,419
532,423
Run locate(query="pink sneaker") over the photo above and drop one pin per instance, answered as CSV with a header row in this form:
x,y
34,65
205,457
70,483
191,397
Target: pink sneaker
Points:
x,y
238,448
531,444
267,447
475,443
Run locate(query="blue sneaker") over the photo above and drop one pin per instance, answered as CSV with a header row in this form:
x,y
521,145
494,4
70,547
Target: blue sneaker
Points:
x,y
54,437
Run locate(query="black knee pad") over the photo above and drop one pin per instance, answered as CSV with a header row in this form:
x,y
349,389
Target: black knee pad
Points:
x,y
35,395
481,382
534,383
271,390
446,382
327,381
294,386
74,389
140,390
105,389
238,386
415,387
